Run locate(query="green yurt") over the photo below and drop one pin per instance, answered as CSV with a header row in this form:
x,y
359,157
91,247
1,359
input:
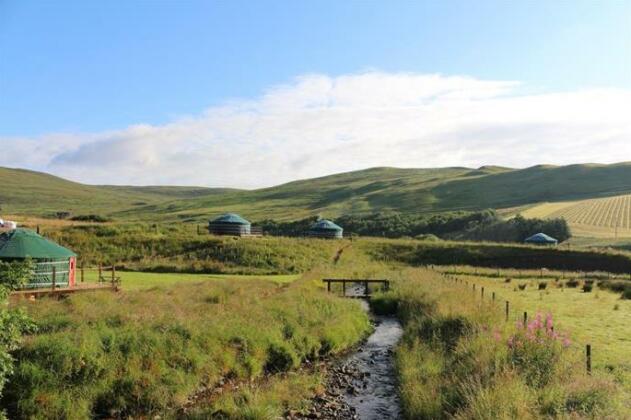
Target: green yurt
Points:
x,y
229,224
47,256
326,229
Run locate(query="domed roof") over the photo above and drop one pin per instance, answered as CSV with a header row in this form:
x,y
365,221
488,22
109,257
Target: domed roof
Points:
x,y
325,225
23,243
541,238
230,218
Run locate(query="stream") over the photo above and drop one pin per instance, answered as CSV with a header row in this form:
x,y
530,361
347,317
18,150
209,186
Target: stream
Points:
x,y
363,385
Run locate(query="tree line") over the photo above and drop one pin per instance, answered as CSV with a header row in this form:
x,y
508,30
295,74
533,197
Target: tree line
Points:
x,y
478,225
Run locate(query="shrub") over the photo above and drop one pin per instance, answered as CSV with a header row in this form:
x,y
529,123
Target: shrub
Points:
x,y
521,286
543,285
573,283
626,294
15,274
587,287
508,280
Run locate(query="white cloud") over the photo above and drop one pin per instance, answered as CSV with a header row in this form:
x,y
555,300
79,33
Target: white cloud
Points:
x,y
318,125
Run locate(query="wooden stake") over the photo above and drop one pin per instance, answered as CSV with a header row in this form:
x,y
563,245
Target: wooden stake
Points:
x,y
588,354
482,293
525,319
507,305
82,274
493,296
54,278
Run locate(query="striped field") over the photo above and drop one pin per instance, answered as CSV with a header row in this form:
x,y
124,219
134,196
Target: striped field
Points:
x,y
599,217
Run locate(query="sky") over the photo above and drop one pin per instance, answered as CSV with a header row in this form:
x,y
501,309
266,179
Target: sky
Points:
x,y
256,93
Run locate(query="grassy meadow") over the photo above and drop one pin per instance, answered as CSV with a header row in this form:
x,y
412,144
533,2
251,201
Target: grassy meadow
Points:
x,y
169,341
150,350
599,316
460,359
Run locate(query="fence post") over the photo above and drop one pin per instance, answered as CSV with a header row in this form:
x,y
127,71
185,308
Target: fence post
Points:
x,y
493,296
366,288
82,274
474,287
507,305
588,353
100,273
328,286
54,277
482,293
113,274
343,288
525,319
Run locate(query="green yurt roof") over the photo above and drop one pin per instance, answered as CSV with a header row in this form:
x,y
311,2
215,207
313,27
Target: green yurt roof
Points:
x,y
231,218
541,238
325,225
23,243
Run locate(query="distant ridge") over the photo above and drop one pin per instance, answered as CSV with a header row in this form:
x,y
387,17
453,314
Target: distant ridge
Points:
x,y
365,191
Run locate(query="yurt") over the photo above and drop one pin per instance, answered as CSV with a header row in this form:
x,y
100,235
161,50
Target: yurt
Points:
x,y
48,257
326,229
541,239
229,224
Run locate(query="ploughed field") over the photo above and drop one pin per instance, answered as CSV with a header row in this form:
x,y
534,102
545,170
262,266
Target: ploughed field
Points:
x,y
597,217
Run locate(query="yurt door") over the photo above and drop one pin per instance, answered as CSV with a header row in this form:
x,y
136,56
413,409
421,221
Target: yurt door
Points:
x,y
71,272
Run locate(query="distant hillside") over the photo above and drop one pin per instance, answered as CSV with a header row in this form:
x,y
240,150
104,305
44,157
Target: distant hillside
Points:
x,y
36,193
366,191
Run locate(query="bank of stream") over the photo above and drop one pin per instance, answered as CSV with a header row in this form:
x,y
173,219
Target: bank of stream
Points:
x,y
363,385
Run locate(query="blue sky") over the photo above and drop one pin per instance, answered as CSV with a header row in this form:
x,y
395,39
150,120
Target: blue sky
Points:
x,y
76,72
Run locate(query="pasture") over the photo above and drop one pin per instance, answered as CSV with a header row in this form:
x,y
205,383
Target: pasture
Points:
x,y
598,317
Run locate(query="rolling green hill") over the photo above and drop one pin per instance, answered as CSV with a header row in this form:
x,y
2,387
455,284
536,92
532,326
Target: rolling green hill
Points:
x,y
40,194
365,191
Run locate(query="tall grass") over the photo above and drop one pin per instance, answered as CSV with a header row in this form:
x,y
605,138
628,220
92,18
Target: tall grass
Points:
x,y
146,352
460,359
145,247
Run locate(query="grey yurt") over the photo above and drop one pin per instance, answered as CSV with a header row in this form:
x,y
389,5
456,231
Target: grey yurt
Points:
x,y
541,239
326,229
229,224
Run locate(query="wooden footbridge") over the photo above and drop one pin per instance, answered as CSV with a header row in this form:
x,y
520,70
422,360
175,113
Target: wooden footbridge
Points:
x,y
360,288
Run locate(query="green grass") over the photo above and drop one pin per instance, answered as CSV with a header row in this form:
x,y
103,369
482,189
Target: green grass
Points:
x,y
145,352
132,280
454,361
366,191
600,317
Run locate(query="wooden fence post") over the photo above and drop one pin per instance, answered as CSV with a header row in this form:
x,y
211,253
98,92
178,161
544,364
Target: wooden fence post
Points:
x,y
482,293
54,277
328,286
100,273
343,288
588,353
507,305
82,274
525,319
493,296
366,288
113,274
